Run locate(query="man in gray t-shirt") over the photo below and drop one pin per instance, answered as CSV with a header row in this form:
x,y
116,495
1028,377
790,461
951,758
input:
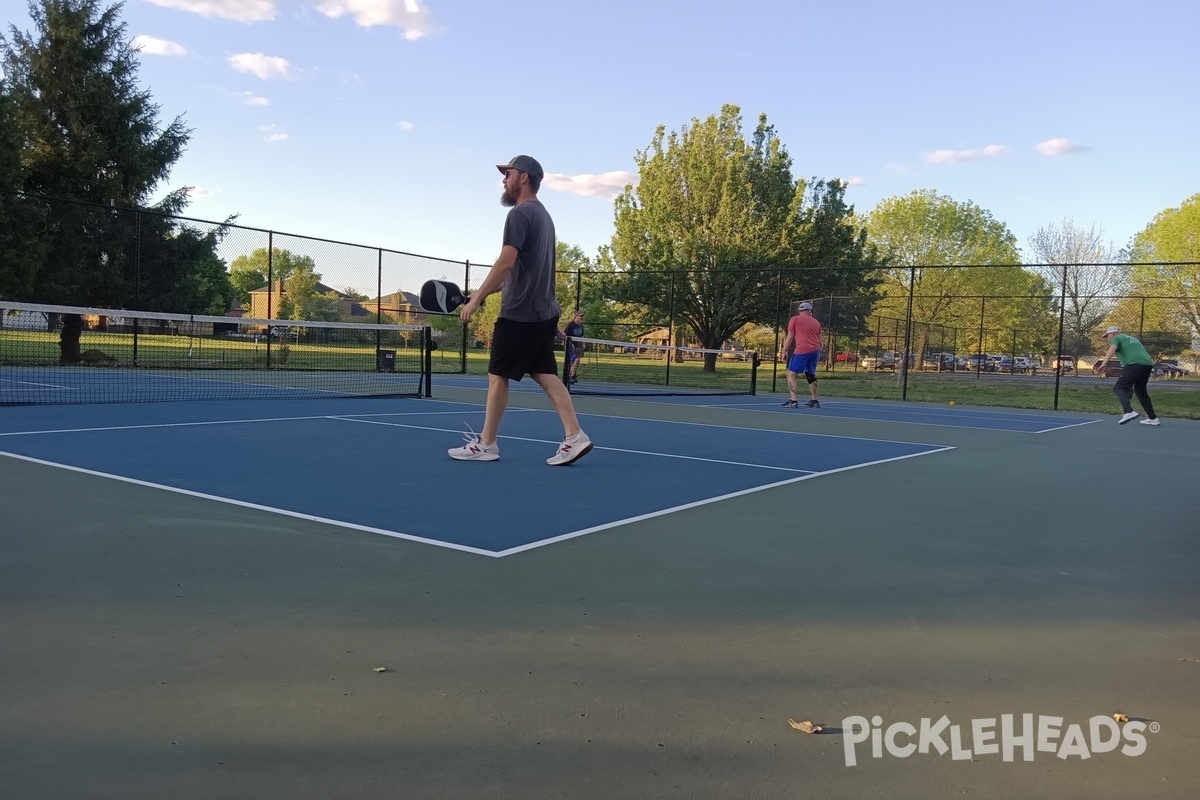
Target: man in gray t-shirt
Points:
x,y
528,291
523,340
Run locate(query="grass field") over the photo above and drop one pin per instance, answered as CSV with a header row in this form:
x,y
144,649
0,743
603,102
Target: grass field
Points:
x,y
1178,397
27,348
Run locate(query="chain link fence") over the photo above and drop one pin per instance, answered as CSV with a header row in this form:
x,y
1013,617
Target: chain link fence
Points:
x,y
1029,351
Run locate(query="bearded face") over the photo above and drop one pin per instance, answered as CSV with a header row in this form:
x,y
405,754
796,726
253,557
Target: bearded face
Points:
x,y
512,189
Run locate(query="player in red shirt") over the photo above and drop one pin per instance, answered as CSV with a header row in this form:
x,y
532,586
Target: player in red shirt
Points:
x,y
804,342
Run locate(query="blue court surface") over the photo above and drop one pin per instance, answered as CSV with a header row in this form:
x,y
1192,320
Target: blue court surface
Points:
x,y
381,466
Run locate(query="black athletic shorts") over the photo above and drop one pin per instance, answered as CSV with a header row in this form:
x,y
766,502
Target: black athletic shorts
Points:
x,y
523,348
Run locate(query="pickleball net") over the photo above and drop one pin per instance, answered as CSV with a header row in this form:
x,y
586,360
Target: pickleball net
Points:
x,y
138,356
608,367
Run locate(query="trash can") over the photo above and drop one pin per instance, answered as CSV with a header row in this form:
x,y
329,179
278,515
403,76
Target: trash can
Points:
x,y
385,360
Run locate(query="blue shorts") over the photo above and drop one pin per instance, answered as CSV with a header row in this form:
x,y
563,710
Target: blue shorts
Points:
x,y
804,363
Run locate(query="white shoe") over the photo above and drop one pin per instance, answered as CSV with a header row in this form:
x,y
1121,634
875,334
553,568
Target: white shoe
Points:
x,y
475,450
1150,421
571,450
1129,417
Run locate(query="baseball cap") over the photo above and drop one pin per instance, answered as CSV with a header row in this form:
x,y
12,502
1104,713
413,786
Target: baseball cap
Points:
x,y
1113,329
806,306
527,164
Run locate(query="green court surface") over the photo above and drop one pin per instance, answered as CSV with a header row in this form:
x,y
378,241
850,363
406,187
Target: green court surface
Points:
x,y
162,645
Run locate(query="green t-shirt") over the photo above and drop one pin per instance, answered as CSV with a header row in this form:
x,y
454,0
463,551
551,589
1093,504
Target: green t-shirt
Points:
x,y
1131,351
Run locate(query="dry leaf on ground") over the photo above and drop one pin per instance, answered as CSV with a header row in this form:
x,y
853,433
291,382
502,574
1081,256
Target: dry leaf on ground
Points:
x,y
806,726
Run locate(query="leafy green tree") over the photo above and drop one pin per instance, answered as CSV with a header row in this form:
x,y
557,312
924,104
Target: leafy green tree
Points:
x,y
706,234
1166,256
21,217
248,273
91,144
953,258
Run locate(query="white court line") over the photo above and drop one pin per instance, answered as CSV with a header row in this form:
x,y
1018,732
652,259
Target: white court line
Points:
x,y
597,447
257,507
234,422
42,385
465,548
770,409
1065,427
696,504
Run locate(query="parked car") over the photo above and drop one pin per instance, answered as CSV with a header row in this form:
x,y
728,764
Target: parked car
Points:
x,y
1169,368
846,358
1064,364
1026,365
1004,364
940,362
733,351
884,360
980,363
1111,370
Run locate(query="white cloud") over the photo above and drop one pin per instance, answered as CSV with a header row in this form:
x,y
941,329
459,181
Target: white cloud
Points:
x,y
262,66
411,15
1061,147
271,133
153,46
857,180
239,10
607,185
405,126
253,99
990,153
200,192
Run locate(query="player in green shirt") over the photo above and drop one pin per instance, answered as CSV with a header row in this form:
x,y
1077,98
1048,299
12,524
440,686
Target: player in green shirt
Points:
x,y
1136,365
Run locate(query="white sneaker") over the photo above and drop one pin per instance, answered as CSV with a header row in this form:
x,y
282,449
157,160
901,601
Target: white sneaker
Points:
x,y
475,450
571,450
1150,421
1129,417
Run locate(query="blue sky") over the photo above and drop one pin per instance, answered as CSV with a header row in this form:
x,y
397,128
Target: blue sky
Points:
x,y
378,121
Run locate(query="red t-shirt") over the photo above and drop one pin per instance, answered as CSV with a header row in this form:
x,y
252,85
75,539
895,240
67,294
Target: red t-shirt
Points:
x,y
806,333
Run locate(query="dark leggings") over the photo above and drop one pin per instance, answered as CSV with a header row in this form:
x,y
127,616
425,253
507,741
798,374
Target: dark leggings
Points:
x,y
1135,377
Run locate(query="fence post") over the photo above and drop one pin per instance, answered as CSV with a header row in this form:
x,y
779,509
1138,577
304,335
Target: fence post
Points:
x,y
778,306
137,279
981,355
379,303
912,288
670,329
1062,316
462,348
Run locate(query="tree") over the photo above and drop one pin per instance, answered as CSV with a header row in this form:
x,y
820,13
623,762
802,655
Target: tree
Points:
x,y
90,136
1166,256
249,273
21,250
1088,293
953,259
704,236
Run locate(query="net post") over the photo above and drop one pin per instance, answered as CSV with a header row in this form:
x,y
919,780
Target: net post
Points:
x,y
427,360
754,362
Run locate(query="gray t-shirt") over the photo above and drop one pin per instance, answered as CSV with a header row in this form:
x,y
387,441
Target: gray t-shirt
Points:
x,y
528,292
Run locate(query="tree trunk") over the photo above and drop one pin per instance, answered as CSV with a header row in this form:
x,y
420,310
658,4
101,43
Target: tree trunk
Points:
x,y
68,343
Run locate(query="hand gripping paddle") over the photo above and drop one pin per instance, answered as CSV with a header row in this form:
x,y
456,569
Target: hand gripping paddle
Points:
x,y
441,297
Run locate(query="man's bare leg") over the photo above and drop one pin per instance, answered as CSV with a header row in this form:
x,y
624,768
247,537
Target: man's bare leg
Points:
x,y
560,398
497,402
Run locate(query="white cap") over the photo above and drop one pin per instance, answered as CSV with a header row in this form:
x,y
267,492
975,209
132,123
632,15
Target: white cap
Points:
x,y
806,306
1113,329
